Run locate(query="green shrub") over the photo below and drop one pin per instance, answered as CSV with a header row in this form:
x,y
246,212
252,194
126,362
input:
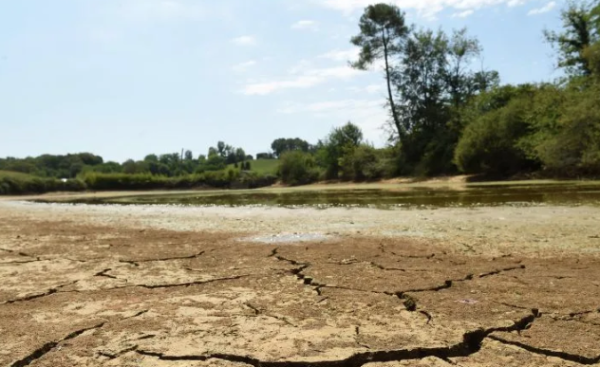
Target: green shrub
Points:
x,y
575,149
490,144
364,163
223,179
12,183
297,168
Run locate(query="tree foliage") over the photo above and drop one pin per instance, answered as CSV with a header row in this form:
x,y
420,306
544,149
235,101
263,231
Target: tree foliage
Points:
x,y
383,31
581,29
297,168
340,142
282,145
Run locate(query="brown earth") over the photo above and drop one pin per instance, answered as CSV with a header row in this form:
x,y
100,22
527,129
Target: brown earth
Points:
x,y
113,288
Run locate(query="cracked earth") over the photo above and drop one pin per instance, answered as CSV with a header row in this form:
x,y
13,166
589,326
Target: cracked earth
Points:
x,y
175,287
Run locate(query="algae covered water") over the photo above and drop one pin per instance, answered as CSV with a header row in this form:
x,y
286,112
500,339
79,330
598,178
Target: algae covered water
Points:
x,y
391,196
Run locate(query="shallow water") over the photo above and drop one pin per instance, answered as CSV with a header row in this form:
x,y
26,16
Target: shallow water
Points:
x,y
571,194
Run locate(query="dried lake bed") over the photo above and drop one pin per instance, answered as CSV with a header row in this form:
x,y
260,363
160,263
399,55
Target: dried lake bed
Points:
x,y
511,282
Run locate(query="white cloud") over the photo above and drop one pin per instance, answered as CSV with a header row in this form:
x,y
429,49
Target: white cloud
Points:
x,y
244,41
425,8
341,55
304,25
463,14
544,9
241,67
300,80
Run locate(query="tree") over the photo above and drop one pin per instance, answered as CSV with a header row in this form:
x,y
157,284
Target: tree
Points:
x,y
189,156
221,148
490,144
151,158
383,32
575,148
362,163
581,28
282,145
240,155
432,84
265,156
297,168
462,84
340,142
90,159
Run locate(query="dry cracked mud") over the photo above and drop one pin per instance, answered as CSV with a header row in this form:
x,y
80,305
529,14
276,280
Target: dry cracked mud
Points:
x,y
132,286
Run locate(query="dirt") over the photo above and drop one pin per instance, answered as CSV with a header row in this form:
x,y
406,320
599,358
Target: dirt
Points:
x,y
175,287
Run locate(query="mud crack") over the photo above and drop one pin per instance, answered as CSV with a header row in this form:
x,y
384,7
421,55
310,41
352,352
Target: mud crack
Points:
x,y
104,273
137,315
409,302
550,353
381,267
32,259
496,272
189,284
48,347
470,344
426,257
137,263
111,356
47,293
259,312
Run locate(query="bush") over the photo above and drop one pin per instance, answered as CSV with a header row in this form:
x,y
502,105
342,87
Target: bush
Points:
x,y
21,184
297,168
575,149
224,179
362,164
265,156
490,144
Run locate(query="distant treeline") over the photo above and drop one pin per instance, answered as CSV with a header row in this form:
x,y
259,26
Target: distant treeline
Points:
x,y
170,165
20,184
444,119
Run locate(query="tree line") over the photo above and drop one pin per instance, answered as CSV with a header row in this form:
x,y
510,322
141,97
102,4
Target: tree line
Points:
x,y
224,166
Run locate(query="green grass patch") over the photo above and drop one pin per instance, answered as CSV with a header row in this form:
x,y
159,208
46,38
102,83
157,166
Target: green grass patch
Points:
x,y
263,166
16,175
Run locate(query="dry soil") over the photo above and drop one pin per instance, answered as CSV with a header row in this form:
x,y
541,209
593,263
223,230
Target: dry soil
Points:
x,y
176,286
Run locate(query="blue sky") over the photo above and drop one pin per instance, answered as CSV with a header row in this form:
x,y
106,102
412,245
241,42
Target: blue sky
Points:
x,y
124,78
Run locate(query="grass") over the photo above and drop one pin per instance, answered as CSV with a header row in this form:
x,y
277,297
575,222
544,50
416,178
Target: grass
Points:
x,y
264,166
16,175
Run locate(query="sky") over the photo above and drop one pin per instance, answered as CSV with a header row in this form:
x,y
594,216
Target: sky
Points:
x,y
125,78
